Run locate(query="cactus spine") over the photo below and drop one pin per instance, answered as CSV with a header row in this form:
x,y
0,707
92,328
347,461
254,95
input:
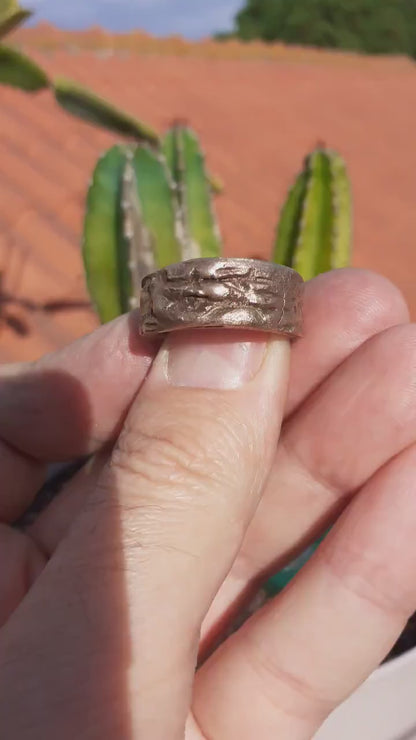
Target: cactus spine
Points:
x,y
314,232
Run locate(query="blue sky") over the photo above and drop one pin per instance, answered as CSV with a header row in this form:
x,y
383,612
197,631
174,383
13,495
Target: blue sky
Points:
x,y
191,18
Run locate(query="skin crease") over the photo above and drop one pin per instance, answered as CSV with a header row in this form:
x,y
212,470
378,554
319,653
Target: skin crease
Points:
x,y
191,494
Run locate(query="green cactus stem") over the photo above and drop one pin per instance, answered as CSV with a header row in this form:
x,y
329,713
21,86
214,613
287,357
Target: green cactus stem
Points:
x,y
145,211
17,70
83,103
290,222
156,199
200,234
105,251
11,16
130,227
341,202
314,232
139,255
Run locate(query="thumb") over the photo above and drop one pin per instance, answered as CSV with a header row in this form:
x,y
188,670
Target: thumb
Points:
x,y
141,566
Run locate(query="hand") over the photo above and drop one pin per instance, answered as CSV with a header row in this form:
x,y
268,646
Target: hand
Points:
x,y
190,498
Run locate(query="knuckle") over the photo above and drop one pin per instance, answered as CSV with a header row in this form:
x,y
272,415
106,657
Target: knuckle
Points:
x,y
398,357
371,302
160,456
286,690
378,302
403,339
368,579
186,451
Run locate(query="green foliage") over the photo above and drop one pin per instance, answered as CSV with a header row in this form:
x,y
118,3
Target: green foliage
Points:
x,y
410,18
314,231
373,26
223,35
17,70
81,102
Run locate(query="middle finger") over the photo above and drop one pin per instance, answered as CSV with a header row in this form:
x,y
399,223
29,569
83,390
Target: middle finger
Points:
x,y
361,416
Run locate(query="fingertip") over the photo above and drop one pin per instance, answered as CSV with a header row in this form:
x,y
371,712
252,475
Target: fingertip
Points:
x,y
72,401
365,301
342,310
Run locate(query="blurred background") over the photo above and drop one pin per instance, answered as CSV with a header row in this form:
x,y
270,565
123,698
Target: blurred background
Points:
x,y
262,82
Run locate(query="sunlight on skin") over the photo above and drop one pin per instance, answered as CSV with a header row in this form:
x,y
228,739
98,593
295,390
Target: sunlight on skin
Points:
x,y
184,487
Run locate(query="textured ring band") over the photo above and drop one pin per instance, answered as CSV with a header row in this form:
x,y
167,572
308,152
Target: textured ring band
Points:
x,y
229,293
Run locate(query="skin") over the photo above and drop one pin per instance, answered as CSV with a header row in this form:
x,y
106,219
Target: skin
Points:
x,y
193,493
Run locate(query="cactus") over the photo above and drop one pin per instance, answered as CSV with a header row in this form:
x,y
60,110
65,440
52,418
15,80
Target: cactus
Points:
x,y
11,15
185,159
104,249
144,211
169,217
314,231
156,194
83,103
17,70
147,206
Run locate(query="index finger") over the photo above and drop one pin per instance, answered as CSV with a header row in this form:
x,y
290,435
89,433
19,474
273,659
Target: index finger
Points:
x,y
66,405
71,402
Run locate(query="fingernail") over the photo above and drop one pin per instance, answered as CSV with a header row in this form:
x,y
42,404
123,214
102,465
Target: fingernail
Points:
x,y
213,358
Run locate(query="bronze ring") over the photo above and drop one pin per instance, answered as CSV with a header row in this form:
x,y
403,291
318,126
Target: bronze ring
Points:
x,y
229,293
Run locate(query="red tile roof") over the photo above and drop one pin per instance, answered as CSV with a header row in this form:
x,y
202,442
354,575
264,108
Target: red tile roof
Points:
x,y
257,119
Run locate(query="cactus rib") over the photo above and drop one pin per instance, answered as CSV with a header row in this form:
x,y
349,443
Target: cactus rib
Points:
x,y
155,195
341,202
313,249
141,259
314,232
105,251
289,223
200,233
17,70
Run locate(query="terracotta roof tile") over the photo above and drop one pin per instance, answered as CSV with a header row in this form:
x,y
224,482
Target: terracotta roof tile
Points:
x,y
257,119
